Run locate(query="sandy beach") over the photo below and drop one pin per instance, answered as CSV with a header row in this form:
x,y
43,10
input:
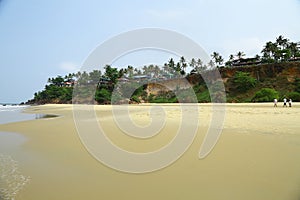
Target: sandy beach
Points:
x,y
255,158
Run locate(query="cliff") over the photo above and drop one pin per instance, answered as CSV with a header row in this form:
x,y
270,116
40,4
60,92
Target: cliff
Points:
x,y
282,77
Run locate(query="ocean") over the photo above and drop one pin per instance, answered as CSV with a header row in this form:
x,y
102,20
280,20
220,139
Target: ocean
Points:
x,y
11,152
13,113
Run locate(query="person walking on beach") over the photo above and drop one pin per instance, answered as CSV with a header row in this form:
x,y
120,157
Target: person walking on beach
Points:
x,y
284,102
275,102
290,103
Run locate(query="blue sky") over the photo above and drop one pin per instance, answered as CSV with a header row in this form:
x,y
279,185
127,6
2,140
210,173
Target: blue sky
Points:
x,y
42,39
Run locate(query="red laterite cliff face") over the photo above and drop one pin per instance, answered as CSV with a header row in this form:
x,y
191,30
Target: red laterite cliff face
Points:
x,y
238,84
281,77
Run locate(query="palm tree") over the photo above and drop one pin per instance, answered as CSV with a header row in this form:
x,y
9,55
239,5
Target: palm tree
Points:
x,y
217,58
240,54
282,42
294,49
139,72
193,63
269,51
130,71
145,69
166,68
220,60
78,75
94,76
257,57
171,63
198,66
229,62
177,67
156,70
211,64
183,65
199,63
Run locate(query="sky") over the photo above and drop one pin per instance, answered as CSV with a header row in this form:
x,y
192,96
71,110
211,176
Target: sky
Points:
x,y
42,39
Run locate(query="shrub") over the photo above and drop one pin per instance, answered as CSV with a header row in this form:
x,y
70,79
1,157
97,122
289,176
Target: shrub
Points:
x,y
203,97
136,99
103,95
244,81
295,96
297,85
265,95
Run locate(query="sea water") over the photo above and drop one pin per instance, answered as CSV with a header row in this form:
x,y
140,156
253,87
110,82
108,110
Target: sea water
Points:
x,y
11,179
13,113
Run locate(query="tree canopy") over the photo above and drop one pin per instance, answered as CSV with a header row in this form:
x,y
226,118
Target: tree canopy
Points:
x,y
60,88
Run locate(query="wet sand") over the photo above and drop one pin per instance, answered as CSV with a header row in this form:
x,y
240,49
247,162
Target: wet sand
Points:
x,y
256,157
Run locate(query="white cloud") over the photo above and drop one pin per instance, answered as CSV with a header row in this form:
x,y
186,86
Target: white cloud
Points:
x,y
69,66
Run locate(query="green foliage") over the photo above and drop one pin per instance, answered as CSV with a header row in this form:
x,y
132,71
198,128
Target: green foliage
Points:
x,y
217,92
111,73
135,98
295,96
60,89
95,76
163,97
58,81
265,95
103,95
203,97
202,93
160,99
140,92
66,95
217,58
244,81
55,94
297,85
280,51
186,96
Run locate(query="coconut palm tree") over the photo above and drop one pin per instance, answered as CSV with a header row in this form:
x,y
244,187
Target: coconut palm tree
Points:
x,y
218,59
166,68
145,69
211,64
193,63
130,71
183,65
215,56
294,49
240,54
282,42
257,57
229,62
270,52
198,66
157,70
171,63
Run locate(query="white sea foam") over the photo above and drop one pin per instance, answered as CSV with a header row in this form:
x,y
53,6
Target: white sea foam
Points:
x,y
11,179
10,113
11,108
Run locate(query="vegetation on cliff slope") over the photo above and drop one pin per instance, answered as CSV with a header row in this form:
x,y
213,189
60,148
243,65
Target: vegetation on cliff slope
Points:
x,y
274,74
